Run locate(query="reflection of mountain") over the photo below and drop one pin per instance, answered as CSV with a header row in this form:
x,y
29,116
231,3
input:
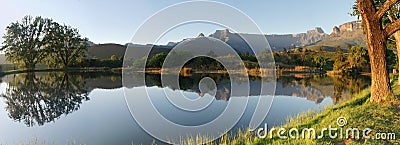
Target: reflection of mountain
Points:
x,y
286,86
309,92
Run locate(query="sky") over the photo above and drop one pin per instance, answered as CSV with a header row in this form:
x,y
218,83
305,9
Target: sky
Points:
x,y
116,21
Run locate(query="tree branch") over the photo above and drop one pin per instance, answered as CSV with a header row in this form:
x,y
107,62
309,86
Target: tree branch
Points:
x,y
385,7
392,27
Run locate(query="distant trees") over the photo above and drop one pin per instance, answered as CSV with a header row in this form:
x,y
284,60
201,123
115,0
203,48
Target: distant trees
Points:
x,y
320,61
340,64
358,57
156,61
37,40
113,58
356,61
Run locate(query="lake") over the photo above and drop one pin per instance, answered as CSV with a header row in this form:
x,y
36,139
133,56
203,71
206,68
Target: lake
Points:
x,y
90,108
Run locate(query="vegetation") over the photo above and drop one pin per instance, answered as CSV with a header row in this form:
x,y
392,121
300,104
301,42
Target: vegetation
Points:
x,y
356,61
372,14
320,61
64,46
390,17
37,40
359,112
24,42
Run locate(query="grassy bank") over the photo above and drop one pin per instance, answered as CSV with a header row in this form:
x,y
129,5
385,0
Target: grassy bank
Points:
x,y
359,113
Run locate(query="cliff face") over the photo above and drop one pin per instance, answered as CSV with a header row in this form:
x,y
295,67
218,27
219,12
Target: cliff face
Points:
x,y
277,42
350,33
353,26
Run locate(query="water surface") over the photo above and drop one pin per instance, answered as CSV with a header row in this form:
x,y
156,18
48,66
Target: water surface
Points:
x,y
90,108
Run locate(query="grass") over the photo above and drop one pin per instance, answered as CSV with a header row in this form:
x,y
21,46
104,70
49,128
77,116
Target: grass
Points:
x,y
359,112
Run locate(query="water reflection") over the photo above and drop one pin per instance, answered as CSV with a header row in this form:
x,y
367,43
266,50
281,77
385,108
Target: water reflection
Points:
x,y
39,98
318,87
312,87
36,100
345,87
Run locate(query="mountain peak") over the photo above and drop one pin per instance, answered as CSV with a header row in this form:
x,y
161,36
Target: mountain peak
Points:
x,y
200,35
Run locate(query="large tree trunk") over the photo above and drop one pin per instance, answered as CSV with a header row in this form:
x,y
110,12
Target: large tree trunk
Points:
x,y
376,42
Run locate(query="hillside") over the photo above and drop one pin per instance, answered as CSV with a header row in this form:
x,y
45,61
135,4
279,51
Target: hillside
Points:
x,y
105,51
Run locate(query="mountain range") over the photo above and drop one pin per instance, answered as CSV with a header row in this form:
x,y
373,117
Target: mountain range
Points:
x,y
349,33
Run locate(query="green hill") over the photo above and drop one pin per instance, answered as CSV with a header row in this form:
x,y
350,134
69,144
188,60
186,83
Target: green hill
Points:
x,y
105,51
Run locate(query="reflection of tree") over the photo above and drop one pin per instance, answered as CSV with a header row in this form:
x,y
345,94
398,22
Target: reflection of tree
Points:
x,y
36,100
338,86
346,83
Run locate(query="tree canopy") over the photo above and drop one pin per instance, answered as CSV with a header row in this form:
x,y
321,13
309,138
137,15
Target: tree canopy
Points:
x,y
24,42
37,40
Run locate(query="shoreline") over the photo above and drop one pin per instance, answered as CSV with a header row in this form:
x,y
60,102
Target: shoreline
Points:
x,y
184,71
89,69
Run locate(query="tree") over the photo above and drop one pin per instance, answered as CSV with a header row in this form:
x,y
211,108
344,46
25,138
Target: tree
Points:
x,y
113,58
320,61
340,64
391,16
64,45
357,58
377,35
156,61
24,41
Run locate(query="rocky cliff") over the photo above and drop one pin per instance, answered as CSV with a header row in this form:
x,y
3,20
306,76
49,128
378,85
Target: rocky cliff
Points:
x,y
277,42
350,33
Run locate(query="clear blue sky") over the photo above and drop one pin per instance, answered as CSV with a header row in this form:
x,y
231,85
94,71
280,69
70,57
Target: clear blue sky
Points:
x,y
116,21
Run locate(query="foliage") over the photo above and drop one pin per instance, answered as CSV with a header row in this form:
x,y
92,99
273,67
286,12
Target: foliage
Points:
x,y
113,58
320,61
37,40
156,61
340,64
24,42
64,46
358,59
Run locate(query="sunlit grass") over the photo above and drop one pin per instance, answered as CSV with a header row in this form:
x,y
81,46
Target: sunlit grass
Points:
x,y
359,112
